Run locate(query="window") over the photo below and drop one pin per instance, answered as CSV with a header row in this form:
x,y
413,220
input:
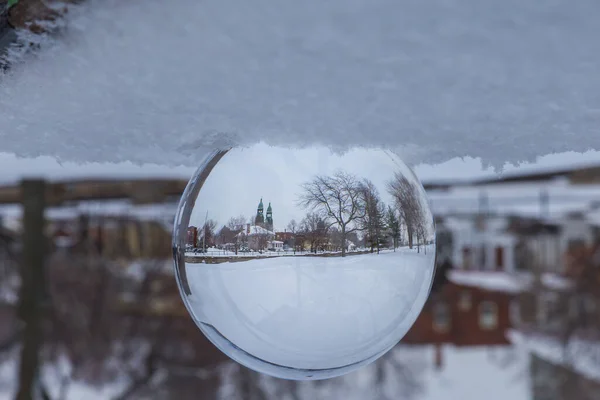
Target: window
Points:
x,y
464,301
499,257
482,257
488,315
441,317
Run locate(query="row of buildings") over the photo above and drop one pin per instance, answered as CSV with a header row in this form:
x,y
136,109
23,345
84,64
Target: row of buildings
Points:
x,y
512,273
260,235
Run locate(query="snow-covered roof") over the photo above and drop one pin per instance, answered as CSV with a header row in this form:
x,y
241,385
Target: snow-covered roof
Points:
x,y
516,199
492,281
468,84
506,282
582,356
115,208
256,230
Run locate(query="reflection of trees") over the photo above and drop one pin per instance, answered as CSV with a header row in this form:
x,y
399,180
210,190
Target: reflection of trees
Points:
x,y
336,198
206,236
394,226
236,223
408,202
314,230
372,221
106,323
396,375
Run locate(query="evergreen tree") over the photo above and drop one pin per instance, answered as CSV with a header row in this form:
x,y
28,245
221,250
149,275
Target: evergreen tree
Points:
x,y
394,227
373,222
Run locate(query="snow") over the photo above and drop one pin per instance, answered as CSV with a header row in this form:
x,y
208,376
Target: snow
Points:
x,y
520,199
310,312
493,281
581,355
52,375
492,373
472,373
156,82
512,283
151,212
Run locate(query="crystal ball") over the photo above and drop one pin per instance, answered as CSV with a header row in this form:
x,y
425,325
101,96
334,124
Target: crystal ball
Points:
x,y
304,263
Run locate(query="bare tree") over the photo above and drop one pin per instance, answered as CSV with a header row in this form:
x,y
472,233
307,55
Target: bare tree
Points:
x,y
292,226
335,238
314,229
206,235
236,223
337,198
407,199
421,232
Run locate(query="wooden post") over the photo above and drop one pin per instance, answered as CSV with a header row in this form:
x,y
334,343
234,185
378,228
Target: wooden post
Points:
x,y
438,358
32,285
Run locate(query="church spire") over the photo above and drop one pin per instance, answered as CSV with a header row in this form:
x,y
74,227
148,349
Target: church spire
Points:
x,y
260,219
269,220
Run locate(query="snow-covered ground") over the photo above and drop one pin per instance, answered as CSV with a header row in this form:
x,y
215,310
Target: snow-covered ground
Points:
x,y
312,312
491,373
215,252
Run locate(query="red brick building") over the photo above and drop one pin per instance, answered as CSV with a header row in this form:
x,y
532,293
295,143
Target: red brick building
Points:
x,y
466,314
192,236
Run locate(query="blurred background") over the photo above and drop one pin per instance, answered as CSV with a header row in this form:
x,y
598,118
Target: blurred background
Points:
x,y
89,308
89,301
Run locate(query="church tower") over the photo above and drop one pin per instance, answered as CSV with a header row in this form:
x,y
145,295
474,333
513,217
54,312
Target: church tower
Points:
x,y
269,221
260,218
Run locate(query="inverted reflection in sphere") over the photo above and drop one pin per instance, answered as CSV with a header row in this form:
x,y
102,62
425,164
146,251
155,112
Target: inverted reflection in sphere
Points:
x,y
304,263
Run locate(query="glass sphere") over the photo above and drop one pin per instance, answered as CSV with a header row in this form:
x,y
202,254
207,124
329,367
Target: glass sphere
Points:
x,y
304,263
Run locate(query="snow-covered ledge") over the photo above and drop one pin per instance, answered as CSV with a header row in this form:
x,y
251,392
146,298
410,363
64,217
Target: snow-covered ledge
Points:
x,y
154,81
513,283
580,355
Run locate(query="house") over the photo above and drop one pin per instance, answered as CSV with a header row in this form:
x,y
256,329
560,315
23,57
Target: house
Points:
x,y
478,242
255,237
275,245
472,309
286,237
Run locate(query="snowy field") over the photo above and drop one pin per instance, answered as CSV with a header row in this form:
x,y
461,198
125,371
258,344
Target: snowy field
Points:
x,y
214,252
312,312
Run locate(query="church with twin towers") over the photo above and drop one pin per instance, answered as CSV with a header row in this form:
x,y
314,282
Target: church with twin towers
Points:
x,y
261,220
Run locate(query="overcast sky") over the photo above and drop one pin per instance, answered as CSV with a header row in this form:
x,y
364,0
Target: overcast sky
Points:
x,y
275,174
259,173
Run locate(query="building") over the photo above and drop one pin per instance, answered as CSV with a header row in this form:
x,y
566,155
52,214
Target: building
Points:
x,y
255,238
471,309
260,219
192,236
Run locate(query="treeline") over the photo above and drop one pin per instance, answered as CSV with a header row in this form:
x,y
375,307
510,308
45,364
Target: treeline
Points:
x,y
349,204
342,210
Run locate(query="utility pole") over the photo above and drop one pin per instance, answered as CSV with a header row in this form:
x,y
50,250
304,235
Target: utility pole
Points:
x,y
33,285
